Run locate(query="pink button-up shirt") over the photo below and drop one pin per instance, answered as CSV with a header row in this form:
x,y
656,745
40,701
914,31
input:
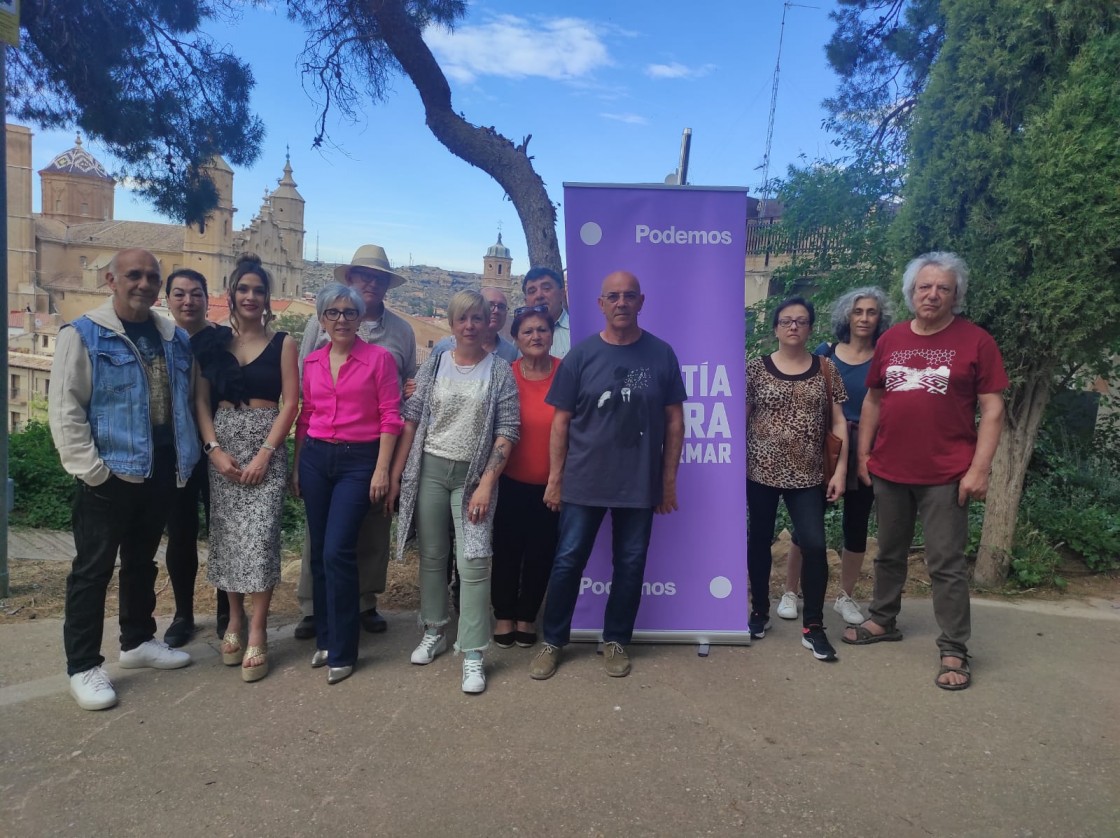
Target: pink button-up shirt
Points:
x,y
362,405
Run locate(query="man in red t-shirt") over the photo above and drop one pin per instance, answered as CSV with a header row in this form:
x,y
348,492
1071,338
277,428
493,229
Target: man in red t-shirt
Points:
x,y
921,448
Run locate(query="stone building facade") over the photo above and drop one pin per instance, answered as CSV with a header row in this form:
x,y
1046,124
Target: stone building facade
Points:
x,y
57,258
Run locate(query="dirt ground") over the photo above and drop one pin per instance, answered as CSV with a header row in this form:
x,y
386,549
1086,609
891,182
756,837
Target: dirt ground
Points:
x,y
38,588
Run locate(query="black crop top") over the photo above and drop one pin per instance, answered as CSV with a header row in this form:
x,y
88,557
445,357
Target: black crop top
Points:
x,y
231,382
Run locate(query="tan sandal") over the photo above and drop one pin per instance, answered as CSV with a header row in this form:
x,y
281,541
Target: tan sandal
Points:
x,y
233,649
255,673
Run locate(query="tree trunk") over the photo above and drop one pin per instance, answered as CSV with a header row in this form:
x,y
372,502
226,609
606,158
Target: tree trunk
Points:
x,y
1022,418
483,147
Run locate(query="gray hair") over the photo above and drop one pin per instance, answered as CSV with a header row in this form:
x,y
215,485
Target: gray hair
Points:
x,y
842,312
335,291
944,260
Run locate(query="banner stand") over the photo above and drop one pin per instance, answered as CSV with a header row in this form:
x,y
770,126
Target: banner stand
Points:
x,y
687,246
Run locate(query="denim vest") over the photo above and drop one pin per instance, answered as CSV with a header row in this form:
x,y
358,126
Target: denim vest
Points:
x,y
119,411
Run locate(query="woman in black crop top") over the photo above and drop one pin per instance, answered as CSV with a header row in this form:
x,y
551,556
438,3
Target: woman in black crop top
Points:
x,y
246,401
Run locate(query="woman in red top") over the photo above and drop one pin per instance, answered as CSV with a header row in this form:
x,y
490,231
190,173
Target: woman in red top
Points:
x,y
524,528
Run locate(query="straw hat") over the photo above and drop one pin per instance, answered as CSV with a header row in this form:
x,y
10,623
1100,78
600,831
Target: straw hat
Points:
x,y
372,257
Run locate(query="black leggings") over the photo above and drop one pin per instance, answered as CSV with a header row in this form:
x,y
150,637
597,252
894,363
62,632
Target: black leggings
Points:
x,y
857,514
806,509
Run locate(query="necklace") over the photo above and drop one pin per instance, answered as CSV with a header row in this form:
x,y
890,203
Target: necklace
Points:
x,y
525,372
462,369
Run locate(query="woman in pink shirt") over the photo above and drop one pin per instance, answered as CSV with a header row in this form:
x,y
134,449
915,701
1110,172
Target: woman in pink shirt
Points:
x,y
345,436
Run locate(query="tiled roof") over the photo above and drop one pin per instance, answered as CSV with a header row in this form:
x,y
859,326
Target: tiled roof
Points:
x,y
113,235
29,361
77,161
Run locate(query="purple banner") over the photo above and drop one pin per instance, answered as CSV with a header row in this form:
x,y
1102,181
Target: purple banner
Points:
x,y
687,247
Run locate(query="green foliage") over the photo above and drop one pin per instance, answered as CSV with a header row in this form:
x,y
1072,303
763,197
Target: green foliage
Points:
x,y
293,324
846,209
139,76
293,522
44,491
1015,164
882,50
1034,562
1072,497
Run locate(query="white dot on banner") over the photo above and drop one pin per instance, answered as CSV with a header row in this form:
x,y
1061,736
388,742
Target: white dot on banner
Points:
x,y
591,233
720,587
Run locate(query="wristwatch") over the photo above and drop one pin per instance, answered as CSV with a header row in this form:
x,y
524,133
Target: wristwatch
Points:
x,y
210,447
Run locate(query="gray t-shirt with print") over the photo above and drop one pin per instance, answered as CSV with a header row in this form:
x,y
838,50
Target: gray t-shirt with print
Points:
x,y
617,396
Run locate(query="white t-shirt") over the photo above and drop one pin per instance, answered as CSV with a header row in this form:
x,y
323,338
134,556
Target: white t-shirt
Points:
x,y
458,408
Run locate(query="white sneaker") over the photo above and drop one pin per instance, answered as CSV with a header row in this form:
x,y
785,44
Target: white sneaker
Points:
x,y
787,606
93,690
154,654
846,607
430,646
474,676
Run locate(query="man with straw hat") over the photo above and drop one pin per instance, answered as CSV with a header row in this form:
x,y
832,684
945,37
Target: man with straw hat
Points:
x,y
370,274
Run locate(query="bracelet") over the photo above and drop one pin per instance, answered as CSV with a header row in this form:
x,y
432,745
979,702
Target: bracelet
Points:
x,y
266,446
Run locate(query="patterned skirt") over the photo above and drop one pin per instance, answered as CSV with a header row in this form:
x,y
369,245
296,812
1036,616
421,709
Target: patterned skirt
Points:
x,y
245,520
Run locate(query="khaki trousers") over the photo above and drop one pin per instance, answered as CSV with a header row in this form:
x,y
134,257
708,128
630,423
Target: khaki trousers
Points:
x,y
945,526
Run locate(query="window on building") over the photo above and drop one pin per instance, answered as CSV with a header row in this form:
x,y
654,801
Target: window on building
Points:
x,y
85,207
13,385
83,260
14,422
46,386
499,270
44,341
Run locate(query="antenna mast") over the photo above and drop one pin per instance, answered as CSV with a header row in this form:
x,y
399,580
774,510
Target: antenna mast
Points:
x,y
774,107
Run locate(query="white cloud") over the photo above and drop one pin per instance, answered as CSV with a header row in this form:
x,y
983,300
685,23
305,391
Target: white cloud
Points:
x,y
628,118
676,70
513,47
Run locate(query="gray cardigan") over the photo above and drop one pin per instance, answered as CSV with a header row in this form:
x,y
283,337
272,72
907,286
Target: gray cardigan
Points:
x,y
503,418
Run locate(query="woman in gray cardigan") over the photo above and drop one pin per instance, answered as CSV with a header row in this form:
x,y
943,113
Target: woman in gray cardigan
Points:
x,y
460,426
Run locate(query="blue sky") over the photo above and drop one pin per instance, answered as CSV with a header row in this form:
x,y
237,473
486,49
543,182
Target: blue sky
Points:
x,y
604,87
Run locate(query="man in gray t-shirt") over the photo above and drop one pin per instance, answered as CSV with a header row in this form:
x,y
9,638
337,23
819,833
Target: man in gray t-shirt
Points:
x,y
615,445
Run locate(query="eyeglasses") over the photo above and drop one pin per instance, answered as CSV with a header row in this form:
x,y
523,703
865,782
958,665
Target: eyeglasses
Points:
x,y
538,309
345,313
499,307
790,322
615,296
367,277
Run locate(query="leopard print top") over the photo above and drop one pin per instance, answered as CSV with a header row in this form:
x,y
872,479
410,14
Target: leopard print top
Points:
x,y
785,423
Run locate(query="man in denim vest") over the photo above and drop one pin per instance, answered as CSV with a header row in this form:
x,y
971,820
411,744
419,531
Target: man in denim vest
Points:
x,y
122,421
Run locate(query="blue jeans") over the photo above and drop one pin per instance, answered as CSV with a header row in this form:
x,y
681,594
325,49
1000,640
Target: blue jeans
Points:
x,y
334,483
630,531
806,511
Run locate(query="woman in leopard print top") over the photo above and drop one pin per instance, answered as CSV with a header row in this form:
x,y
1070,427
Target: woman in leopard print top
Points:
x,y
786,427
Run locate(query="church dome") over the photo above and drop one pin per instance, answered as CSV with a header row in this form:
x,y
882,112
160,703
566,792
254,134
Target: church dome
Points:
x,y
77,161
498,250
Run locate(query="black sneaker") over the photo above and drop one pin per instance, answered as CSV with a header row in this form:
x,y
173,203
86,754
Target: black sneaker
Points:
x,y
758,624
179,633
813,638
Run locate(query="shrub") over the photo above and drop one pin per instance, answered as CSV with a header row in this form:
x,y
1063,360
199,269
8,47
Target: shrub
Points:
x,y
1034,562
44,492
1072,496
